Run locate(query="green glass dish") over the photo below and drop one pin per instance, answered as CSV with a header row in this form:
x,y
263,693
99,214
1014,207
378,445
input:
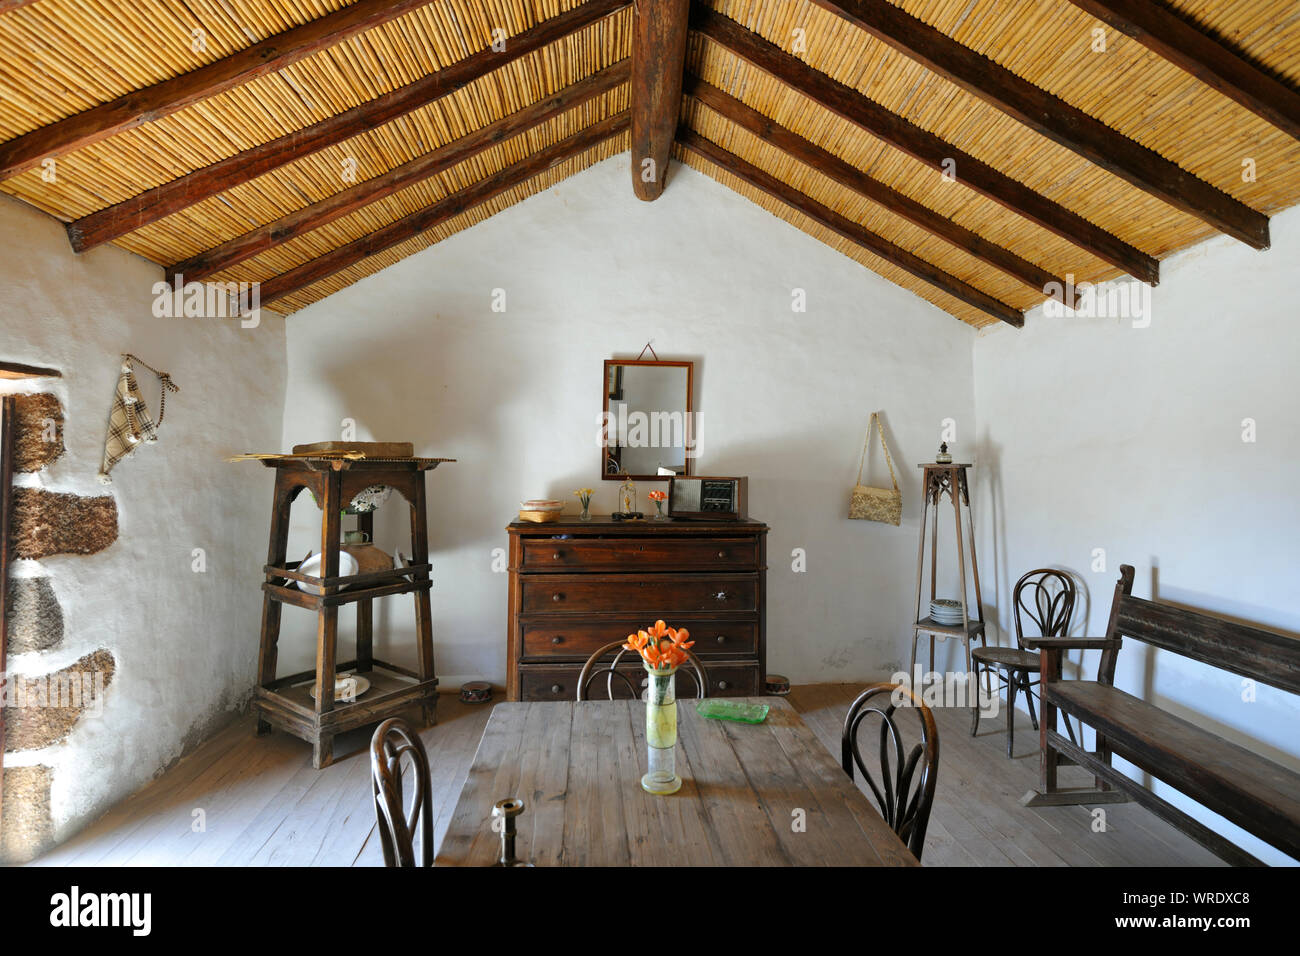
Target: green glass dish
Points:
x,y
718,708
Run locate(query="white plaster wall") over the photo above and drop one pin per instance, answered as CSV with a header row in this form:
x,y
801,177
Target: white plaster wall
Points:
x,y
1096,434
589,272
185,642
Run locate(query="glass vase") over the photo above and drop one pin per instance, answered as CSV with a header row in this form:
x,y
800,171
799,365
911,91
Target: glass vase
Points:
x,y
661,733
659,511
586,511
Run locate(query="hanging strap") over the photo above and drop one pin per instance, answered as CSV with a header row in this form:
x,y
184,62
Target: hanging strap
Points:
x,y
163,379
875,420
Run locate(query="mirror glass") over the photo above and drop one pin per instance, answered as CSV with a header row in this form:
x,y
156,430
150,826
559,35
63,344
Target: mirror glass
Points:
x,y
647,430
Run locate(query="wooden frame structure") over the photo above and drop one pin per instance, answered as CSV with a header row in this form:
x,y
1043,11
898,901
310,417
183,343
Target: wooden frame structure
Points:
x,y
288,702
791,127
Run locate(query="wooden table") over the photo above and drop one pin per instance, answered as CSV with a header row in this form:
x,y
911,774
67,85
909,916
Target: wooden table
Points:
x,y
578,766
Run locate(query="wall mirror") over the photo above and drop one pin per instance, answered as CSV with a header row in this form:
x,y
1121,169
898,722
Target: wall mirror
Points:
x,y
648,430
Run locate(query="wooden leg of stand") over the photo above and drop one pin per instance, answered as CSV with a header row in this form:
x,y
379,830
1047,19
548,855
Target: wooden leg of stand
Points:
x,y
423,615
277,556
1047,721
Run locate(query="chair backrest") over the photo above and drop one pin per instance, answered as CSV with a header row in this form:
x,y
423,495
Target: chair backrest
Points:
x,y
595,667
907,781
393,740
1045,599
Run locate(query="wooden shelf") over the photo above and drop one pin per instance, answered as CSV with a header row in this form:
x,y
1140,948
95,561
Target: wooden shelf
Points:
x,y
15,370
292,706
929,626
351,588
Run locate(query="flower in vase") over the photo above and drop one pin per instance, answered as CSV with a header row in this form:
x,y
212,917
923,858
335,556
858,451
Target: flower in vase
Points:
x,y
660,646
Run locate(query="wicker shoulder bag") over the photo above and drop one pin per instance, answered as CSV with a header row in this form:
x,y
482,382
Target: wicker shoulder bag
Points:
x,y
876,504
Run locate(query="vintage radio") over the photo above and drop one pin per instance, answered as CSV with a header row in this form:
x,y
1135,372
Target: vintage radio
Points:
x,y
706,498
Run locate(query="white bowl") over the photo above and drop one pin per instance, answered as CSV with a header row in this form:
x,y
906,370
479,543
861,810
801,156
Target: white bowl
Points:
x,y
347,565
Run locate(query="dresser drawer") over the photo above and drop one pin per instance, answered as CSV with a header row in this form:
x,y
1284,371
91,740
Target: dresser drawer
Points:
x,y
662,596
547,639
728,679
642,555
558,682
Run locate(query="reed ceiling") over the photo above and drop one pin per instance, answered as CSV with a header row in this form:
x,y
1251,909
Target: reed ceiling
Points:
x,y
449,156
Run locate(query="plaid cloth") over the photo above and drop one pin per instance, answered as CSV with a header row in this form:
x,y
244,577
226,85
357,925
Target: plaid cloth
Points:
x,y
129,423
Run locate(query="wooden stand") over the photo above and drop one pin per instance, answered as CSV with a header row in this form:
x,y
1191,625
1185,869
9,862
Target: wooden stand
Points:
x,y
286,702
937,481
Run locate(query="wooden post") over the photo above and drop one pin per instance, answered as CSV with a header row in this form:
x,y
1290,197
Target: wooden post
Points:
x,y
277,555
328,623
423,613
658,57
1050,670
366,608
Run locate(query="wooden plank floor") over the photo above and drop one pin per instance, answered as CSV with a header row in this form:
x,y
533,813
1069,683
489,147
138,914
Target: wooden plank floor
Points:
x,y
263,805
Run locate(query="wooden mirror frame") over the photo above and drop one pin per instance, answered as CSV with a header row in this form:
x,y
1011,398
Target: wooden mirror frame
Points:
x,y
604,406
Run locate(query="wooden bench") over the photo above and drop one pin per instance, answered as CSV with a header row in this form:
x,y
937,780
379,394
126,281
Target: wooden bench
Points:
x,y
1257,794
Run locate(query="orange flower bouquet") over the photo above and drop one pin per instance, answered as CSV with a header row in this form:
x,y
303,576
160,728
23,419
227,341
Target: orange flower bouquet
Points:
x,y
658,497
663,649
660,646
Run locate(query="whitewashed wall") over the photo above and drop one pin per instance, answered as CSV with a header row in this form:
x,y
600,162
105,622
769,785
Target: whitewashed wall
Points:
x,y
589,272
185,642
1094,434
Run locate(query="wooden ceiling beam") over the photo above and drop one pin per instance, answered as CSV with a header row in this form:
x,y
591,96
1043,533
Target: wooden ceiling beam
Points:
x,y
162,99
659,29
1212,62
1050,116
257,241
848,229
7,5
873,118
159,202
397,232
850,177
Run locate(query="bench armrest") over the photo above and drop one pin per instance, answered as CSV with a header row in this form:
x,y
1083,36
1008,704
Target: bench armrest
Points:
x,y
1069,643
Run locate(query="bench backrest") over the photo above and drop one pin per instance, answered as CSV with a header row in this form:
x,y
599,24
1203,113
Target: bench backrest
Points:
x,y
1269,658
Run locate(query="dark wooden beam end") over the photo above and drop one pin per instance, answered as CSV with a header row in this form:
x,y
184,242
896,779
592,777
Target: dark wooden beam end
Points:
x,y
659,29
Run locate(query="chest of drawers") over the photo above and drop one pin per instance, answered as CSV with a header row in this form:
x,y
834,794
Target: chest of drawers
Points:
x,y
577,585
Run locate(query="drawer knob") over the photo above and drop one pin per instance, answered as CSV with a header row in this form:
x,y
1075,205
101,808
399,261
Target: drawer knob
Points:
x,y
557,639
723,685
722,554
556,556
721,595
556,596
722,638
556,688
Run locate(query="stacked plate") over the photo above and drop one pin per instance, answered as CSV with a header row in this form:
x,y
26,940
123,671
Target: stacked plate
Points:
x,y
946,611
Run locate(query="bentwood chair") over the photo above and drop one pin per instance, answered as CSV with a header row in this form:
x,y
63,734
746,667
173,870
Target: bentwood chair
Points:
x,y
1046,597
907,782
393,740
595,667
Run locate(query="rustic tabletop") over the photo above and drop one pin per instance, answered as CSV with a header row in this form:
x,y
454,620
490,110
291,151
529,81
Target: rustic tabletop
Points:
x,y
752,795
